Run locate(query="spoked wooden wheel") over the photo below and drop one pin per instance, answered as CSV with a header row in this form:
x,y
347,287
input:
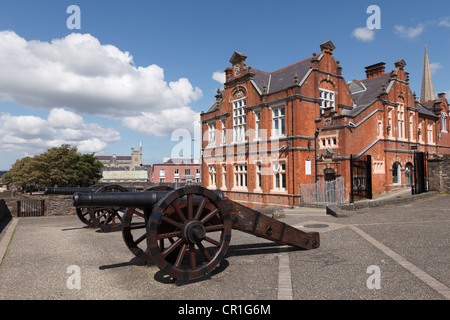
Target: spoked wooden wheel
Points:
x,y
108,218
189,232
84,215
133,228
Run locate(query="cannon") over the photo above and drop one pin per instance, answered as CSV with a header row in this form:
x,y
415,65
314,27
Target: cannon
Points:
x,y
105,218
187,231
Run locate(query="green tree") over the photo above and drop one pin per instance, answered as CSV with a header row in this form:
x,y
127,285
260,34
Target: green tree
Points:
x,y
63,167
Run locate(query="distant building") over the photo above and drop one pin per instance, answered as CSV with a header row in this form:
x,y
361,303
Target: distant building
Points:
x,y
178,170
124,168
126,162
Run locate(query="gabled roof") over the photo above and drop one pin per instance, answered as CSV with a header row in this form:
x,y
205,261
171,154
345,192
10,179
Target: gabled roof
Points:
x,y
281,79
365,92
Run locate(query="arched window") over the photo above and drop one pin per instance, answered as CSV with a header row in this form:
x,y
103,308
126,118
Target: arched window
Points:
x,y
396,173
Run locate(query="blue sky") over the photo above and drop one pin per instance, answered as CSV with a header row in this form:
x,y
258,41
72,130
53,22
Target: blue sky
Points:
x,y
140,71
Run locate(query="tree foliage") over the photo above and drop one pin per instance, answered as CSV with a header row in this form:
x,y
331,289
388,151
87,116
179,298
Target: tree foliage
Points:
x,y
62,167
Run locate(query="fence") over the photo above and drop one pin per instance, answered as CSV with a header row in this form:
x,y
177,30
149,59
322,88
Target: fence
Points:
x,y
30,208
323,192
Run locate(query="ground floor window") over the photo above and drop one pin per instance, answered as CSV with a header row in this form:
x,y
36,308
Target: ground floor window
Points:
x,y
240,175
280,175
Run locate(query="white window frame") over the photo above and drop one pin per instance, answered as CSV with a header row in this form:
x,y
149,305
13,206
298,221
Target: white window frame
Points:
x,y
211,134
401,120
240,175
444,122
421,129
224,176
411,127
390,129
327,99
239,120
430,133
162,172
223,123
212,176
258,176
279,176
258,125
279,121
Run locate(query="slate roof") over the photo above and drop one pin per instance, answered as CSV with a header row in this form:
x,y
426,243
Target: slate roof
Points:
x,y
364,96
427,108
281,79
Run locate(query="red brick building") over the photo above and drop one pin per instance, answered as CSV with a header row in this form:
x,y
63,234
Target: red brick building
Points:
x,y
176,170
269,132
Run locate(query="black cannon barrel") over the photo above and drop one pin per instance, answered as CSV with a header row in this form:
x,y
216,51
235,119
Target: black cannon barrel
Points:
x,y
118,199
123,199
69,190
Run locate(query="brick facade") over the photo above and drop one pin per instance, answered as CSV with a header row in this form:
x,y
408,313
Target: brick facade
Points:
x,y
269,132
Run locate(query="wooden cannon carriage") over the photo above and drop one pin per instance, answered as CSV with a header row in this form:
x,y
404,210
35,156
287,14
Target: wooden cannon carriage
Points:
x,y
187,231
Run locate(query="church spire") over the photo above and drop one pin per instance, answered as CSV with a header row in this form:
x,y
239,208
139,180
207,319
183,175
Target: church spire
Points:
x,y
427,92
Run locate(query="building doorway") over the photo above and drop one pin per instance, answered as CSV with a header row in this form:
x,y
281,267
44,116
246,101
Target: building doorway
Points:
x,y
409,174
396,173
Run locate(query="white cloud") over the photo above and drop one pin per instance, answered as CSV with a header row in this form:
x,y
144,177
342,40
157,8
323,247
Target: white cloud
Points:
x,y
435,66
363,34
163,123
80,73
219,77
445,22
32,135
410,32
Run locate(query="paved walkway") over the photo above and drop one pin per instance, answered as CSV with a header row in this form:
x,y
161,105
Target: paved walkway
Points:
x,y
405,245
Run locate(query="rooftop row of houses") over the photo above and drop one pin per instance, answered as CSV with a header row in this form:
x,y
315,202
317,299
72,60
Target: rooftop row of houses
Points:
x,y
130,169
270,132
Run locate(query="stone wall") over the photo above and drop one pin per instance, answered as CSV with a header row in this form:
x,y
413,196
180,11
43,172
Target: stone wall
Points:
x,y
439,174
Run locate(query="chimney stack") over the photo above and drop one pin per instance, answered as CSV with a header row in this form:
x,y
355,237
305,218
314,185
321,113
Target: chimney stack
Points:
x,y
375,70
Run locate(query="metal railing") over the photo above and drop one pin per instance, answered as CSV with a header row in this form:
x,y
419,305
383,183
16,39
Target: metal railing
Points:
x,y
323,192
30,208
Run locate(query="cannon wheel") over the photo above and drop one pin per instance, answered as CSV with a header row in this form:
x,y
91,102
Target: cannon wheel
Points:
x,y
83,213
134,233
107,218
196,230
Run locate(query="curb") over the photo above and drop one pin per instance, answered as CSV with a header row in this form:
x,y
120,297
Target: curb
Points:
x,y
6,237
343,211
